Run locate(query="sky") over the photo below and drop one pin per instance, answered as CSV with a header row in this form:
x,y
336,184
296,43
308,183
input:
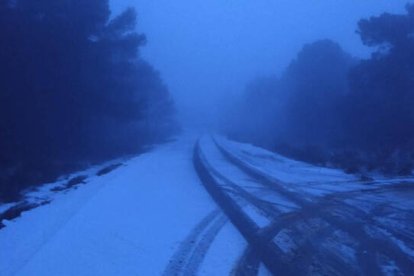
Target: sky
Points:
x,y
208,50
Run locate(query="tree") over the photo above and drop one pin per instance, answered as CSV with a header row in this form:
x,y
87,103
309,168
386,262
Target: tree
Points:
x,y
381,122
297,114
333,109
73,90
316,83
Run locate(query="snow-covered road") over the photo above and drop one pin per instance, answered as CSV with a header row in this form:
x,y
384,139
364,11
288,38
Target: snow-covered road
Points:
x,y
309,220
133,221
219,208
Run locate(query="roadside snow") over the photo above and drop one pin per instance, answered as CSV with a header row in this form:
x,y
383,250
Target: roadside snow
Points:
x,y
294,175
5,206
287,170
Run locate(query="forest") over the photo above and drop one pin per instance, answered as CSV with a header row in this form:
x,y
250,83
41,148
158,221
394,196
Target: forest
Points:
x,y
194,137
75,90
333,109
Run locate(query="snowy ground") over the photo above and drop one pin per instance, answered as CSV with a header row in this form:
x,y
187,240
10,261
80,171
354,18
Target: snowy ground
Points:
x,y
154,216
129,222
337,224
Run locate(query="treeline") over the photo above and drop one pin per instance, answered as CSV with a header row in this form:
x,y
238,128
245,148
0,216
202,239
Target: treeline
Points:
x,y
331,109
73,90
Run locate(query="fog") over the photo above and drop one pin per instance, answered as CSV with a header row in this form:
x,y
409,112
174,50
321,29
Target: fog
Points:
x,y
206,137
101,80
207,51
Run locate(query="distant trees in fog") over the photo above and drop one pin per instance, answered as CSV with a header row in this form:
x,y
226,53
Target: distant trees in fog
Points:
x,y
73,90
329,108
380,115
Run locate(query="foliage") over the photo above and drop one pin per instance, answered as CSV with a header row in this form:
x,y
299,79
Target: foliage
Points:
x,y
379,113
332,109
73,89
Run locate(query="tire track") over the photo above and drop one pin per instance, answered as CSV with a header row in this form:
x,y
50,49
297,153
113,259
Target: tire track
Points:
x,y
268,254
368,262
248,264
186,249
203,246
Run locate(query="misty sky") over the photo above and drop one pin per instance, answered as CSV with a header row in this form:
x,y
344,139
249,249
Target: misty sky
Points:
x,y
207,50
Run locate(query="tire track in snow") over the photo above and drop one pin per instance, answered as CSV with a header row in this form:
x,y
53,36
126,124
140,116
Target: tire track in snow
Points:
x,y
367,262
190,255
203,246
246,226
248,264
186,250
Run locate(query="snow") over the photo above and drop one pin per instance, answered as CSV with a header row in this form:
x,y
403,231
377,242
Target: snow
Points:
x,y
129,222
258,218
390,268
282,204
225,252
5,206
404,247
222,167
225,170
263,271
288,170
153,216
301,177
284,241
46,193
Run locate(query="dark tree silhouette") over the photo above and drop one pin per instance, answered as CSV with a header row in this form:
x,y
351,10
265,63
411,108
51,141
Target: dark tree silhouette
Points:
x,y
297,114
316,83
73,90
332,109
381,121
